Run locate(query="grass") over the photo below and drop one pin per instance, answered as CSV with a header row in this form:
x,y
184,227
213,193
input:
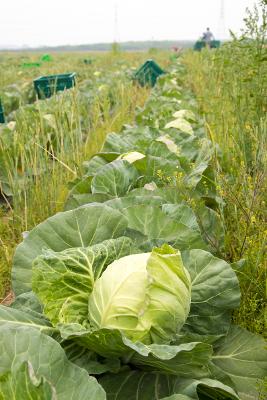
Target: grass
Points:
x,y
230,85
76,128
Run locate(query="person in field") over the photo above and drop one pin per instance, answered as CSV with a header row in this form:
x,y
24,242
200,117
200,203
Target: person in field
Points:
x,y
208,37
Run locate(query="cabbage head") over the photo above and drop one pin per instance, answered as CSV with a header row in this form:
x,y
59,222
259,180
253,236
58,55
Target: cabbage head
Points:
x,y
146,296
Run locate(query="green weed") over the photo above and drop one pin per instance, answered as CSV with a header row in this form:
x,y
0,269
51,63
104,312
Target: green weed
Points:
x,y
230,85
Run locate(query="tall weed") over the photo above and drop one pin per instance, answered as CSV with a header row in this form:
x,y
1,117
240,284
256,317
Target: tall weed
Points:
x,y
231,88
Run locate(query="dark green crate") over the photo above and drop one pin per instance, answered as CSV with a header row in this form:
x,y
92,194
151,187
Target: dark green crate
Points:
x,y
88,61
148,73
200,44
2,116
46,86
215,44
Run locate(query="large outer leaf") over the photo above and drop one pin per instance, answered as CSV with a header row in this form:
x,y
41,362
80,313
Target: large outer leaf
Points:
x,y
18,318
115,179
185,360
133,385
181,360
135,138
28,302
94,164
81,186
154,224
205,389
137,385
243,356
89,360
48,360
24,385
215,292
168,194
64,280
81,227
181,213
76,200
105,342
108,156
118,143
128,201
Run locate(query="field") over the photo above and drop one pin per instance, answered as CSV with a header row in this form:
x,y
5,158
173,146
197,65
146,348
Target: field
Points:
x,y
109,101
133,225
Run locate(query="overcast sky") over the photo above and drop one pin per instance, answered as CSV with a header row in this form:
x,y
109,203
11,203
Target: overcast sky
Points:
x,y
54,22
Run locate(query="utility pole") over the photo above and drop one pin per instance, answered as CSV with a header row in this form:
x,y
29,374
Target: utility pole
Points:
x,y
221,25
116,24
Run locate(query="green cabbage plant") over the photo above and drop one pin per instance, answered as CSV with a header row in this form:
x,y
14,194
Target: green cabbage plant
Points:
x,y
148,324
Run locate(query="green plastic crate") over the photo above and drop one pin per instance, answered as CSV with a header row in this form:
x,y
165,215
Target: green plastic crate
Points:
x,y
148,73
200,44
46,58
46,86
31,64
2,116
